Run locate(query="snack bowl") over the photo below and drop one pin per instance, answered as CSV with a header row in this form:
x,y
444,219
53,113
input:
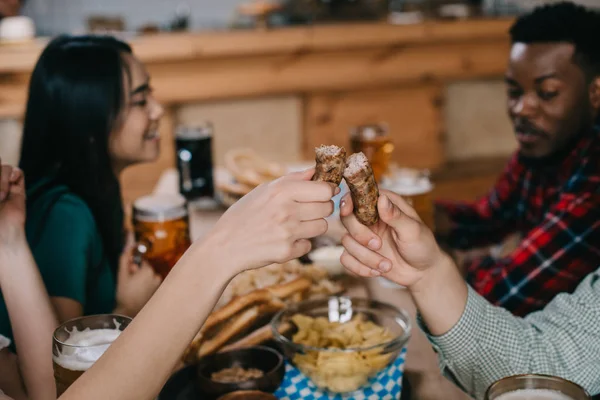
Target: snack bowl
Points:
x,y
328,354
262,358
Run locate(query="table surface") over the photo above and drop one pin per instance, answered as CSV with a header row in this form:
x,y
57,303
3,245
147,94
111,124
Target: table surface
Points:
x,y
422,371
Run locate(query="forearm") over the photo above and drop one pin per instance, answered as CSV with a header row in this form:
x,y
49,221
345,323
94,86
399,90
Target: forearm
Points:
x,y
31,315
488,343
440,296
141,360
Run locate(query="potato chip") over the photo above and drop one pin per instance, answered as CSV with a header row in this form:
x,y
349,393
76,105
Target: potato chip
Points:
x,y
340,372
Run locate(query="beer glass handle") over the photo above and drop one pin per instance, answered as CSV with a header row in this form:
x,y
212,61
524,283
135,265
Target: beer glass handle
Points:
x,y
140,249
186,174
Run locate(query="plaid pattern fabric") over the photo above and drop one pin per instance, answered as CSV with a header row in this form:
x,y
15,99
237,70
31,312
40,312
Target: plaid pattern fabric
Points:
x,y
488,343
387,385
555,208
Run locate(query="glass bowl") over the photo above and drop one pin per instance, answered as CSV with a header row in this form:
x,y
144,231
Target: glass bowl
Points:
x,y
343,370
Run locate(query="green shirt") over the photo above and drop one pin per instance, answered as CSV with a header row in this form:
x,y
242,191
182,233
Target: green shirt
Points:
x,y
68,250
489,343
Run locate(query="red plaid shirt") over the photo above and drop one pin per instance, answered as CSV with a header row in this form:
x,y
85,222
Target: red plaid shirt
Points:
x,y
556,209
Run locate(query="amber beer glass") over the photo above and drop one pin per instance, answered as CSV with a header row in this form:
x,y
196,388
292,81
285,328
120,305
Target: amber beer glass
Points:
x,y
161,227
416,188
79,343
374,142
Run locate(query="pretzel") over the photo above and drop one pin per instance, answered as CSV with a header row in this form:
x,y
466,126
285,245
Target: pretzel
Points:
x,y
270,295
237,189
250,169
257,337
280,291
238,325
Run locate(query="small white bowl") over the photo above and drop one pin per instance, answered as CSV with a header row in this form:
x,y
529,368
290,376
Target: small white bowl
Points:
x,y
328,257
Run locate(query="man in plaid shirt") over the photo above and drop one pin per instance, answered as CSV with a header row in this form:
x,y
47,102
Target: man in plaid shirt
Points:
x,y
549,192
479,343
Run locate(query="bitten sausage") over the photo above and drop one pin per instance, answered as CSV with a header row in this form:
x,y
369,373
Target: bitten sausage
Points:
x,y
331,161
363,188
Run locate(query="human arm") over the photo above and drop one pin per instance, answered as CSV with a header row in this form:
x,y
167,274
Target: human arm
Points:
x,y
486,221
479,343
24,294
271,224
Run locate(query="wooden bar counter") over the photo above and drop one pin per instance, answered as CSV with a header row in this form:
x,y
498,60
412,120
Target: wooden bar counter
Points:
x,y
343,75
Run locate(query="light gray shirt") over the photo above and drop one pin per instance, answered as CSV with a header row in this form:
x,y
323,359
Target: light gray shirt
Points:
x,y
489,343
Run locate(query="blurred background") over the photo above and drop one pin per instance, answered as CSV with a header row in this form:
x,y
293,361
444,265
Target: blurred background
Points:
x,y
283,77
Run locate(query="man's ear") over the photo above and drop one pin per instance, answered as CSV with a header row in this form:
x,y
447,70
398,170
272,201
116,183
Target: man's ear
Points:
x,y
595,93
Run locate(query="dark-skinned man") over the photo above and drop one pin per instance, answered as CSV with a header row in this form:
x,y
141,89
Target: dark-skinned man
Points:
x,y
549,192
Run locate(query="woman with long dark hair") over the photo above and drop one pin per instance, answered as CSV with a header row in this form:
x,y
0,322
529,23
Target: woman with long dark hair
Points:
x,y
90,114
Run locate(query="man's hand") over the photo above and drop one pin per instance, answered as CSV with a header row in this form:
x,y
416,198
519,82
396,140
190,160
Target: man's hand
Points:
x,y
399,247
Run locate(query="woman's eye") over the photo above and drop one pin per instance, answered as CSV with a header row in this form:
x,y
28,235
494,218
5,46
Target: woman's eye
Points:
x,y
140,103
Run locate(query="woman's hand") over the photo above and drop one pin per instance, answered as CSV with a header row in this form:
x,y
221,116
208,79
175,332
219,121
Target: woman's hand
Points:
x,y
12,204
399,247
135,284
274,222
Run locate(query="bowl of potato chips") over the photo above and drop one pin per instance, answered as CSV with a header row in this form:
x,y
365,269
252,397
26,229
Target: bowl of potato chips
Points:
x,y
340,343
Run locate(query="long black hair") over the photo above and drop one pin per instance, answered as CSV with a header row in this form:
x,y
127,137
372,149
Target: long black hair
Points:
x,y
76,95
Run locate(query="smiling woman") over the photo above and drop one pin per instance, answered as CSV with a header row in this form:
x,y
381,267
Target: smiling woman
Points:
x,y
90,114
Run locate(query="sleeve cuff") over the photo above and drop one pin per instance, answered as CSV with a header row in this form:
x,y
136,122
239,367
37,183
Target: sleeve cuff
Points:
x,y
461,341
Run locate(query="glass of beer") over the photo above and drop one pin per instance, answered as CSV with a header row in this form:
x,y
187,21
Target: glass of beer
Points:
x,y
194,161
416,188
161,227
535,387
374,142
79,343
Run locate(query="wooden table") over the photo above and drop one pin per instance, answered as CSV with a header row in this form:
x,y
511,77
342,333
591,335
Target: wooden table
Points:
x,y
421,362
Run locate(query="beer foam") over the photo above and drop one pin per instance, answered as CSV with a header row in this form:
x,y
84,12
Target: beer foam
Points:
x,y
534,394
154,207
84,348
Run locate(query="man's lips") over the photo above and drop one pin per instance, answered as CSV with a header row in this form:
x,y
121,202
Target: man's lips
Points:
x,y
528,138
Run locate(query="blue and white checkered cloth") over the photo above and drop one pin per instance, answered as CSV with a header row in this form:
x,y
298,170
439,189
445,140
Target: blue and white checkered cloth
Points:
x,y
386,385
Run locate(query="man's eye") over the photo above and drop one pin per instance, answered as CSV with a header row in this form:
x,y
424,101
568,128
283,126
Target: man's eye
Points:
x,y
547,95
514,93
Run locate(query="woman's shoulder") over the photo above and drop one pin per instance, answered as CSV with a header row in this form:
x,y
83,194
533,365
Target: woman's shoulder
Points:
x,y
59,211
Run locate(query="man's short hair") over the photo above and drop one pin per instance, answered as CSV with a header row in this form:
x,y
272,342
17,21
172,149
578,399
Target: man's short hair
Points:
x,y
563,22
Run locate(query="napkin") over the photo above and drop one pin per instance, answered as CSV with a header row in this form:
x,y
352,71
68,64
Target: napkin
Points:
x,y
386,385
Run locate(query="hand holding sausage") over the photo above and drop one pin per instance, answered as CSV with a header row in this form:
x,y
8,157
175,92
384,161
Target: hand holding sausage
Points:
x,y
399,246
272,224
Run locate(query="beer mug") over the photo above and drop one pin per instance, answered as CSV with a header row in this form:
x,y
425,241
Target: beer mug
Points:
x,y
79,343
194,161
161,227
374,142
535,387
416,188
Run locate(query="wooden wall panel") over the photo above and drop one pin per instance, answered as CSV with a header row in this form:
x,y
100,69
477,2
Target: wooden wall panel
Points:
x,y
413,115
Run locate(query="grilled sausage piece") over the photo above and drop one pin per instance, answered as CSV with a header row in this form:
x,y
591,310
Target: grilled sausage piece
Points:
x,y
363,188
331,161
